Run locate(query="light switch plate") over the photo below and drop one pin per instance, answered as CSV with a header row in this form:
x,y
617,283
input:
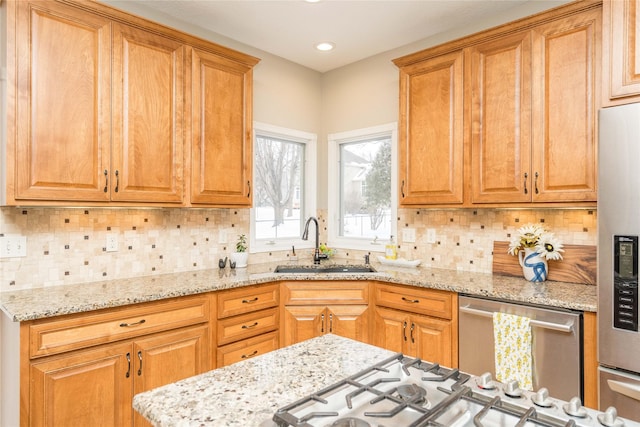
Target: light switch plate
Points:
x,y
431,235
112,243
13,246
409,235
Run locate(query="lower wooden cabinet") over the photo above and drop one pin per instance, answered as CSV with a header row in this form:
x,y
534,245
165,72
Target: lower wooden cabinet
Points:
x,y
247,348
305,322
414,335
311,309
96,387
418,322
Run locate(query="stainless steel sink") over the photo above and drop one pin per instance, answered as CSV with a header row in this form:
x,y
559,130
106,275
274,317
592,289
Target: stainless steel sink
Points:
x,y
324,269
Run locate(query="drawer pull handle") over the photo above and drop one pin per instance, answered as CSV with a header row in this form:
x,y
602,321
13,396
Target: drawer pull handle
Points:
x,y
526,176
246,356
106,180
117,180
322,323
413,326
140,358
404,331
412,301
249,301
330,323
250,326
128,365
127,325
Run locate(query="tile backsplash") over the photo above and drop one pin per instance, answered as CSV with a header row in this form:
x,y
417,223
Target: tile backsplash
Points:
x,y
68,245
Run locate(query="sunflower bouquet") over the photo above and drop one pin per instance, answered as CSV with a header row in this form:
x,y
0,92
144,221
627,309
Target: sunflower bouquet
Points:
x,y
538,239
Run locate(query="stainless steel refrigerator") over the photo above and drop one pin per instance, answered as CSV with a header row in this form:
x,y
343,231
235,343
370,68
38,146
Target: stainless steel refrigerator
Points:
x,y
618,234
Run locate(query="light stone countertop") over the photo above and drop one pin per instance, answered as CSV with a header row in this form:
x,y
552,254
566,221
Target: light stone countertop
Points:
x,y
52,301
248,393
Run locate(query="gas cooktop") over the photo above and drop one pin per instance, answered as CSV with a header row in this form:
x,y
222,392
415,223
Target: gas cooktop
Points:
x,y
408,392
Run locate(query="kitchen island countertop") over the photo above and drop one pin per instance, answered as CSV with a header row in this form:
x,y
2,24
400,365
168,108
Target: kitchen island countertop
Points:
x,y
31,304
248,393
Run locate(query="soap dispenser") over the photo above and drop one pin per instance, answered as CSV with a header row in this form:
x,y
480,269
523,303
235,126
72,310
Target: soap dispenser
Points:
x,y
390,249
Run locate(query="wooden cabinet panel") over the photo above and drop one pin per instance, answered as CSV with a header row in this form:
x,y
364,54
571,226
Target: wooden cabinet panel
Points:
x,y
566,98
247,325
431,131
433,340
501,117
84,330
325,292
349,321
148,128
390,329
431,302
621,50
221,151
247,349
61,131
244,300
302,323
88,388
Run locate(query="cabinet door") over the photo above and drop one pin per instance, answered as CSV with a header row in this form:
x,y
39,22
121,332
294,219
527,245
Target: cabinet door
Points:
x,y
565,99
148,143
167,358
87,388
302,323
391,330
60,134
501,120
221,156
431,131
431,340
621,48
349,321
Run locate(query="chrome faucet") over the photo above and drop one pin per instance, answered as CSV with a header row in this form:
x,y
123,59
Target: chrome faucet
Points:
x,y
305,236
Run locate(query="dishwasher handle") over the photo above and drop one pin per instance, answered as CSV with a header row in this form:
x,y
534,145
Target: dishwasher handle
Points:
x,y
565,327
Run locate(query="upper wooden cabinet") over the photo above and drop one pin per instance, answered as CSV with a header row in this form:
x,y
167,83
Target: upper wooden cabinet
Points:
x,y
221,166
621,51
533,109
99,111
431,131
528,115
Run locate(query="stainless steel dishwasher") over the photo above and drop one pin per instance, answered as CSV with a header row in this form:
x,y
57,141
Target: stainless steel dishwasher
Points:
x,y
556,336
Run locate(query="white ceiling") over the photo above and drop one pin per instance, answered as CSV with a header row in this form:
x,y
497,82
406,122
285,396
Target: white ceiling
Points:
x,y
360,29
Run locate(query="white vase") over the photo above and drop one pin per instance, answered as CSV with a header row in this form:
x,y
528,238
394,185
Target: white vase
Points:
x,y
534,267
240,258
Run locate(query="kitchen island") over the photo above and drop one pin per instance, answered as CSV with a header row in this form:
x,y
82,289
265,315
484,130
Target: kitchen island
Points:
x,y
248,393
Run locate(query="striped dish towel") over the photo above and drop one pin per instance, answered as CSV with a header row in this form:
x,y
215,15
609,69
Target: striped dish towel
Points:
x,y
512,336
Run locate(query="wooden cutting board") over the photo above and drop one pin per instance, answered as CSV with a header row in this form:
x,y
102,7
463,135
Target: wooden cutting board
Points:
x,y
579,264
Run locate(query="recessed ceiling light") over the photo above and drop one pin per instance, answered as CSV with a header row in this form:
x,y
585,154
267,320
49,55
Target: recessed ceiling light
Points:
x,y
325,46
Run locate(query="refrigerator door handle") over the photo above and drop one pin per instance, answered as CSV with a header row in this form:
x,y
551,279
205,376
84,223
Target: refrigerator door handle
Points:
x,y
565,327
626,389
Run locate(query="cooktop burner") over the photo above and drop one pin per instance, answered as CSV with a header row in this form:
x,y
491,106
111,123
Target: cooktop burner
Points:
x,y
408,392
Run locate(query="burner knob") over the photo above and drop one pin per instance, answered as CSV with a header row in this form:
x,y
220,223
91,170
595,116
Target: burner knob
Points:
x,y
512,389
610,418
541,398
485,381
574,408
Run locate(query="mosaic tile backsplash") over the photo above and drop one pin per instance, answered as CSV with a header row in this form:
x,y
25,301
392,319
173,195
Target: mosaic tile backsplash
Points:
x,y
68,246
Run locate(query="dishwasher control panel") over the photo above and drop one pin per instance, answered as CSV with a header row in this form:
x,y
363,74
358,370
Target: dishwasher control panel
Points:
x,y
625,281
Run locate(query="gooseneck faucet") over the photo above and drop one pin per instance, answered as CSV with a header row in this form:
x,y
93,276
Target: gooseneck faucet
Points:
x,y
305,236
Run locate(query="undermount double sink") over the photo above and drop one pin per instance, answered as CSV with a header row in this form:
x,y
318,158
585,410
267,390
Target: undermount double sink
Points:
x,y
354,268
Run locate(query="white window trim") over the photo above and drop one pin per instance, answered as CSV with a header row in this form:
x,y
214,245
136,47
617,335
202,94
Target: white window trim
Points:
x,y
310,178
334,140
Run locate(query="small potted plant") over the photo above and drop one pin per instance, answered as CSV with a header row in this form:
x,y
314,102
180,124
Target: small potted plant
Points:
x,y
240,256
534,245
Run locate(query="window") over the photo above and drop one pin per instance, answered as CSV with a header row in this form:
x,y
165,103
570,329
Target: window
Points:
x,y
283,170
362,187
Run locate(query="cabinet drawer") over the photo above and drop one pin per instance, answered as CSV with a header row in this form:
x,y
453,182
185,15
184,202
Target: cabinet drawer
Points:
x,y
247,325
85,330
415,300
325,292
248,299
246,349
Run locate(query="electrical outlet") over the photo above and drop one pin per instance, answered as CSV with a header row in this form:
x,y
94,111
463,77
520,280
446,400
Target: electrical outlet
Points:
x,y
13,246
222,236
409,235
112,243
431,235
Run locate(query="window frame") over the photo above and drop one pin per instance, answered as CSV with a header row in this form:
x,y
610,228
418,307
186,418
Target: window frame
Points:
x,y
334,141
310,176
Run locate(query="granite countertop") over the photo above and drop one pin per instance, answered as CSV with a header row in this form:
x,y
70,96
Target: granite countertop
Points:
x,y
248,393
52,301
